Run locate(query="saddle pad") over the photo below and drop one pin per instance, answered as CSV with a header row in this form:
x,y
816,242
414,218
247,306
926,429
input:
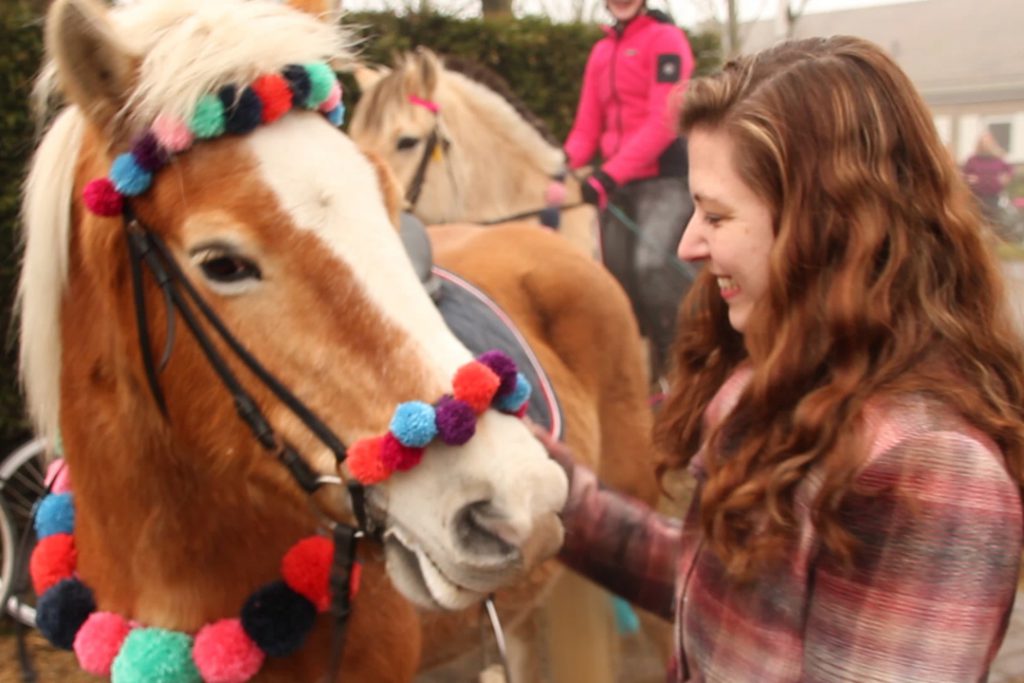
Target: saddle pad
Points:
x,y
481,325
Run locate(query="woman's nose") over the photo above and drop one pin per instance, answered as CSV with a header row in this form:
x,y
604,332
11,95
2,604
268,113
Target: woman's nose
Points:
x,y
692,246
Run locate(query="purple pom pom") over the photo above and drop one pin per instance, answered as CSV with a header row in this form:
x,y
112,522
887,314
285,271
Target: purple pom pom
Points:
x,y
148,153
278,619
62,610
456,421
502,366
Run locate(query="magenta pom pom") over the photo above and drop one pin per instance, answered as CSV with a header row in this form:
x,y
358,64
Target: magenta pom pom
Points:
x,y
172,134
503,366
333,98
224,653
148,153
57,477
456,421
398,457
102,198
98,641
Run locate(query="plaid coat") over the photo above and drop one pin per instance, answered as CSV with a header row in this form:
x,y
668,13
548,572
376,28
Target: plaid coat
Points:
x,y
939,525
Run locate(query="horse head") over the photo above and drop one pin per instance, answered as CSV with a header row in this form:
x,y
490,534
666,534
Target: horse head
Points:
x,y
464,147
283,228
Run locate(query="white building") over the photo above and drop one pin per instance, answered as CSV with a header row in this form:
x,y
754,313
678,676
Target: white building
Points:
x,y
965,56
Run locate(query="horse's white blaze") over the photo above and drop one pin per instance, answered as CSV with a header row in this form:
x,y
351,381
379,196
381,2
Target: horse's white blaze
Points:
x,y
330,189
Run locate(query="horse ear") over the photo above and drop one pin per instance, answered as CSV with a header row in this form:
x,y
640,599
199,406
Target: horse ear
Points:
x,y
369,76
318,8
424,73
96,69
389,186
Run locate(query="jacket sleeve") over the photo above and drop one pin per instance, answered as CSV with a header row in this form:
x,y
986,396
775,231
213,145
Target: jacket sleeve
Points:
x,y
620,543
664,99
938,524
583,140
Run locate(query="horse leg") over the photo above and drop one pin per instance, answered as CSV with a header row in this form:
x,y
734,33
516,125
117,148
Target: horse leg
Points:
x,y
581,636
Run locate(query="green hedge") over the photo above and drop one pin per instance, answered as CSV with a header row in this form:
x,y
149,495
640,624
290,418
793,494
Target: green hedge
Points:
x,y
543,62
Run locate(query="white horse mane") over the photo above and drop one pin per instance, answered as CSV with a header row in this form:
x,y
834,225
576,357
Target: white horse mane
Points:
x,y
186,48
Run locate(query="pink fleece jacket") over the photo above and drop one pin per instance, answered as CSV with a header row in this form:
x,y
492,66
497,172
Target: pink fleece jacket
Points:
x,y
629,107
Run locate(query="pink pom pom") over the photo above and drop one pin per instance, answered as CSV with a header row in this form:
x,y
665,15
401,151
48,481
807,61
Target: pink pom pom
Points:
x,y
53,559
102,198
554,194
333,98
396,456
223,653
172,133
306,568
364,461
98,641
58,478
475,384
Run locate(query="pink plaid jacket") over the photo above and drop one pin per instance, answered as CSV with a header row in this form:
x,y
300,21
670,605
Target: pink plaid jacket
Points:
x,y
939,523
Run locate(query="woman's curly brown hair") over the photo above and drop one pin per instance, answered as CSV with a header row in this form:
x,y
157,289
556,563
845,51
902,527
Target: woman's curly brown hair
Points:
x,y
882,282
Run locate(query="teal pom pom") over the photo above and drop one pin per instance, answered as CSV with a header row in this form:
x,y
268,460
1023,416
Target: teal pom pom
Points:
x,y
55,515
128,177
414,424
321,78
208,120
154,655
337,115
515,399
626,620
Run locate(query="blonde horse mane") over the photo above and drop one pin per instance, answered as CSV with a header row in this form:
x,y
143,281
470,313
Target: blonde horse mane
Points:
x,y
185,49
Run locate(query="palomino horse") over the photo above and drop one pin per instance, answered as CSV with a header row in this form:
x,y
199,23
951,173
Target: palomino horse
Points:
x,y
464,147
283,239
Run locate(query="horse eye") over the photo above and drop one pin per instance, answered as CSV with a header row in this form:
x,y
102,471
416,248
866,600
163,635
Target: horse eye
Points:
x,y
406,142
229,268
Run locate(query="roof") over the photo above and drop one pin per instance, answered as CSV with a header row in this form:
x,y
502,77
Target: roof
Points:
x,y
953,50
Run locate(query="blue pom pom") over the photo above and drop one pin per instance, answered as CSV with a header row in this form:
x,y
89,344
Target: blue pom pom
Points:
x,y
244,112
414,424
278,619
55,515
298,81
337,115
129,177
626,620
513,401
62,610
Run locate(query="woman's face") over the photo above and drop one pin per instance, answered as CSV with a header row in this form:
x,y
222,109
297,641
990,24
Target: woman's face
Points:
x,y
731,229
624,10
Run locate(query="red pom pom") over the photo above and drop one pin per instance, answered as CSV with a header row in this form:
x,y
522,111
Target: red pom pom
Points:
x,y
306,568
476,384
102,198
365,463
274,93
396,456
53,559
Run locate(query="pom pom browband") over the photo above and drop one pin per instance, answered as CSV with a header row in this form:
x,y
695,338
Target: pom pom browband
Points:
x,y
490,381
230,111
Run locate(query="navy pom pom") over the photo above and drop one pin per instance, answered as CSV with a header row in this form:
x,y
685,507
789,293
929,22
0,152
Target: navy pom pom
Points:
x,y
278,619
243,112
550,217
298,81
62,610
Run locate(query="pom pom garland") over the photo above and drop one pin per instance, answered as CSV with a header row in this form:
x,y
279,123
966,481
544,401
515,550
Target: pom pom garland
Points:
x,y
275,620
55,515
233,109
489,381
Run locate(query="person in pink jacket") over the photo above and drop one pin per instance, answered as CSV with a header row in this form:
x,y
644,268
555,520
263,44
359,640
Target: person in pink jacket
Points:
x,y
627,117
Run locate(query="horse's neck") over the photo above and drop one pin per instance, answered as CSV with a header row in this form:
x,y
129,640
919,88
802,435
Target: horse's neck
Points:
x,y
172,537
503,164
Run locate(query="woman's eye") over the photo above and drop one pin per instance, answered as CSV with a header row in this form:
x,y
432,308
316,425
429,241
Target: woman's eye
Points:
x,y
713,218
406,142
229,268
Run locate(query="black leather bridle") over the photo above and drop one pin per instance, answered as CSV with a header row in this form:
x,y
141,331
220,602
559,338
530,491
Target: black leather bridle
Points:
x,y
147,250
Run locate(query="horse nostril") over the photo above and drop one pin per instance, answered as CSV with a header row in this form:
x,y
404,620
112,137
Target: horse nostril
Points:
x,y
483,530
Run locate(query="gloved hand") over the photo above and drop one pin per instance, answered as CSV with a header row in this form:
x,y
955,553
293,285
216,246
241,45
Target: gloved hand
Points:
x,y
597,187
